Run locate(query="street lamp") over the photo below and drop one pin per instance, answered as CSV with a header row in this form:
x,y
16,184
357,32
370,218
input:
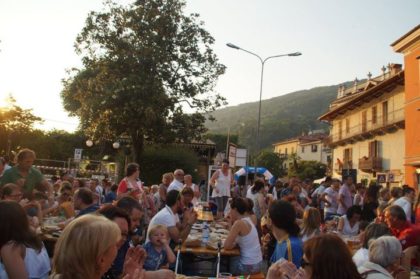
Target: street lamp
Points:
x,y
261,83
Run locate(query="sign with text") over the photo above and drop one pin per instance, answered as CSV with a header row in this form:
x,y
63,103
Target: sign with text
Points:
x,y
232,155
241,157
78,154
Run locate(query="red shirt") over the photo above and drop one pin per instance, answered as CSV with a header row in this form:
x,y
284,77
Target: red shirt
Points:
x,y
408,235
125,185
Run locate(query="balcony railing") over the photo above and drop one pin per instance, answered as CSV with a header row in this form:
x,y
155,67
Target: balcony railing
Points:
x,y
370,164
382,122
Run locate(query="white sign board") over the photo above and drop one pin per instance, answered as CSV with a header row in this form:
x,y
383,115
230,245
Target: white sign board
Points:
x,y
78,154
241,157
232,155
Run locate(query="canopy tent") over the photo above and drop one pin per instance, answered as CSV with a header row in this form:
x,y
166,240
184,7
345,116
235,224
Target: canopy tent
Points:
x,y
260,170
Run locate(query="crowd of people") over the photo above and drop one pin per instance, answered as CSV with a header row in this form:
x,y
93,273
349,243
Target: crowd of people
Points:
x,y
293,229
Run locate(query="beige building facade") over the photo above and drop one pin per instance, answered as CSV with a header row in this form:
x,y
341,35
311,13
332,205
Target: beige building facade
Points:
x,y
367,134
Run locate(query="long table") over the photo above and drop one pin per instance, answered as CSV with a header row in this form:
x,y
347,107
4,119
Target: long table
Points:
x,y
207,251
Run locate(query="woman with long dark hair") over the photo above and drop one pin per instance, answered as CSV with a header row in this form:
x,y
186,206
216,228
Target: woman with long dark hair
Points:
x,y
325,257
22,253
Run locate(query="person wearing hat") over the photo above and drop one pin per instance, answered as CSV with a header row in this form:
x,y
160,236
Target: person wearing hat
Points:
x,y
221,181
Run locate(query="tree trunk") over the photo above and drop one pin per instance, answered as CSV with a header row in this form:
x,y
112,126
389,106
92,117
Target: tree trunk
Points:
x,y
137,146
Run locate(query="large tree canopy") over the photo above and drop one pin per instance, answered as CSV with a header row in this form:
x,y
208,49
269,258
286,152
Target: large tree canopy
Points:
x,y
14,121
143,64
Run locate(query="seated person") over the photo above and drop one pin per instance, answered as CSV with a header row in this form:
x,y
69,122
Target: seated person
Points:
x,y
349,223
244,234
159,254
84,202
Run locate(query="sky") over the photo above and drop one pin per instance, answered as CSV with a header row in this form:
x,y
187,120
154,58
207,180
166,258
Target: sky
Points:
x,y
339,41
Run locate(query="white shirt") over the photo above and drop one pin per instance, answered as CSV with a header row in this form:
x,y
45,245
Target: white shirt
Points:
x,y
348,229
222,184
405,205
164,217
332,198
175,185
249,245
360,257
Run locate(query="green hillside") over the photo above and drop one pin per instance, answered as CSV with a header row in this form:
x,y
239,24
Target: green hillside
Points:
x,y
282,117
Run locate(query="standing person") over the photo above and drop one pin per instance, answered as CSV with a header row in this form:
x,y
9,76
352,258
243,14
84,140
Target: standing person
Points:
x,y
221,181
188,183
345,199
360,194
286,231
257,196
112,194
167,179
130,185
396,193
406,201
22,254
26,176
317,193
371,203
330,199
245,235
178,181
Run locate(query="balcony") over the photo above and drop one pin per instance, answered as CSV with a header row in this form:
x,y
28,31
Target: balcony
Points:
x,y
370,164
388,123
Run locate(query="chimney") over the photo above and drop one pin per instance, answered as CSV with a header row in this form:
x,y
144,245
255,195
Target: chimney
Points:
x,y
340,91
369,75
395,68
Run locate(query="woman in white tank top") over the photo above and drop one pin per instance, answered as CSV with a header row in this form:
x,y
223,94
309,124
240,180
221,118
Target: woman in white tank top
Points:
x,y
22,254
244,234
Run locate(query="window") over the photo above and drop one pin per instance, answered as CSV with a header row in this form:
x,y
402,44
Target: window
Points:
x,y
303,149
314,148
340,130
374,115
385,112
293,150
374,149
364,121
347,158
285,151
348,126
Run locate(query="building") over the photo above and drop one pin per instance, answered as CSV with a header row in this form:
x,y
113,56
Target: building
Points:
x,y
367,128
409,46
311,147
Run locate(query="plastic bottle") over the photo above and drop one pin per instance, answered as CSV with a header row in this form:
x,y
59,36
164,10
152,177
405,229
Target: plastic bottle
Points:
x,y
206,233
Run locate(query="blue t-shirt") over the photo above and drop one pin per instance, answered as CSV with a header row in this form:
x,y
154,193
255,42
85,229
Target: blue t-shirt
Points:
x,y
154,258
281,251
110,197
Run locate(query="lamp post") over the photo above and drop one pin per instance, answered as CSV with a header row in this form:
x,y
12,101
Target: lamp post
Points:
x,y
257,138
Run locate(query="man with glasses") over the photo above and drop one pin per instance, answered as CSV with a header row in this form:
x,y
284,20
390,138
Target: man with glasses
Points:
x,y
178,182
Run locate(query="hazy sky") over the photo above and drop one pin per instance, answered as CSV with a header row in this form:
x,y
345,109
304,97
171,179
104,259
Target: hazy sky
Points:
x,y
340,40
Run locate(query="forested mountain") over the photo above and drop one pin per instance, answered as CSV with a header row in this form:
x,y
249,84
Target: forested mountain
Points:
x,y
282,117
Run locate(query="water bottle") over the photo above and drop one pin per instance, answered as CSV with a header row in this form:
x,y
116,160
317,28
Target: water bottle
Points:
x,y
206,233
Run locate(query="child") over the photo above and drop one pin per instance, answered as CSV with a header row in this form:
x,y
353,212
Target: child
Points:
x,y
159,254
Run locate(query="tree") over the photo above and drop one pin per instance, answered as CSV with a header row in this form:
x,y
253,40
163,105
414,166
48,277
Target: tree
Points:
x,y
307,169
14,121
142,65
271,161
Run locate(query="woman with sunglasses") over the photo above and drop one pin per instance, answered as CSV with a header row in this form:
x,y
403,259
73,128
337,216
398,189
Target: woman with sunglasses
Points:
x,y
325,257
